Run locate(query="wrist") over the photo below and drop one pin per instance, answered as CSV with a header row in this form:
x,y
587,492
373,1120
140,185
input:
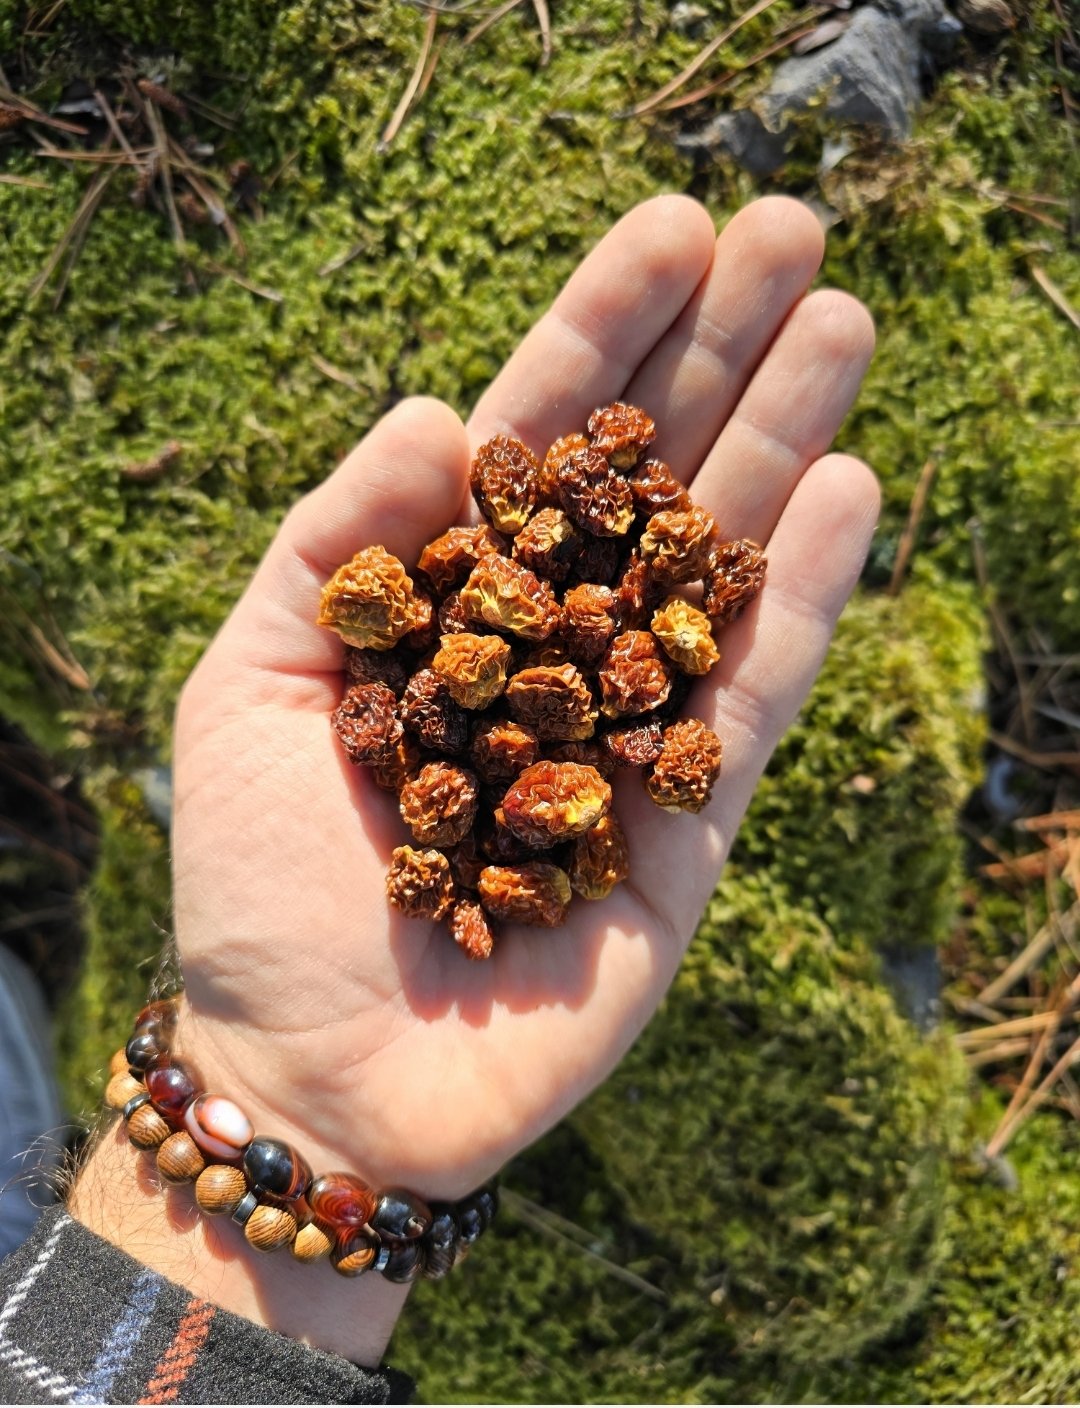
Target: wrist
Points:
x,y
120,1196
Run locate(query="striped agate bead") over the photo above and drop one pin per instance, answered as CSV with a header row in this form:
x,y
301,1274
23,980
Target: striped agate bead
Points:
x,y
219,1127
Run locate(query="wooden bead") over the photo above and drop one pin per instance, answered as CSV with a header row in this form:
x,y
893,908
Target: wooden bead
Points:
x,y
354,1254
118,1065
179,1158
121,1089
311,1243
219,1188
269,1228
146,1129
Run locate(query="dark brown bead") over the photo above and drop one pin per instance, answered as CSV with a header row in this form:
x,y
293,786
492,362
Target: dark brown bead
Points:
x,y
401,1215
274,1167
143,1048
405,1262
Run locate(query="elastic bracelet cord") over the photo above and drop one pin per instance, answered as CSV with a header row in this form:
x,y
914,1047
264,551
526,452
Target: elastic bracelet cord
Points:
x,y
265,1185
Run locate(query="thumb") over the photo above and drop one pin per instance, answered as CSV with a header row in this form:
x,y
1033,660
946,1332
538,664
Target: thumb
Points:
x,y
401,487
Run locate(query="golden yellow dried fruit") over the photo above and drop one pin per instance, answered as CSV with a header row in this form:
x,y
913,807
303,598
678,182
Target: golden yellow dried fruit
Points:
x,y
600,859
682,777
509,597
554,701
677,543
368,602
531,893
505,483
686,635
550,802
472,667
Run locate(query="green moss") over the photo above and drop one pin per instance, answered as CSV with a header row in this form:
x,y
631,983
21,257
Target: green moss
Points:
x,y
127,924
781,1156
875,770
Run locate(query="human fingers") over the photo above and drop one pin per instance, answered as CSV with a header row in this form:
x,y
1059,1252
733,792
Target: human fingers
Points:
x,y
613,310
788,414
400,487
771,657
764,261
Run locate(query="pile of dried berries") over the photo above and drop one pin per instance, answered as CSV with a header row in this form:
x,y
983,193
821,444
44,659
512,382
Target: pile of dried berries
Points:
x,y
497,693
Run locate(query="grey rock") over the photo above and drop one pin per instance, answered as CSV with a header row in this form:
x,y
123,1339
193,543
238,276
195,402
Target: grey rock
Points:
x,y
871,76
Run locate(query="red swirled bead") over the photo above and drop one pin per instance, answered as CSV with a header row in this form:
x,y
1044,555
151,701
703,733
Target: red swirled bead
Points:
x,y
341,1200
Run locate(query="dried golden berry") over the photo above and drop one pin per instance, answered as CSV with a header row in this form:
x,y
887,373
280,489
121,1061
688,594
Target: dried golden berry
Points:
x,y
588,754
635,676
550,652
638,593
677,543
565,445
554,801
473,668
439,804
636,745
656,490
600,860
554,700
531,893
622,433
375,667
502,749
425,623
448,560
366,722
428,711
686,635
733,578
392,772
466,863
452,618
588,622
471,930
502,847
689,763
598,561
548,545
419,883
368,601
505,484
509,597
595,497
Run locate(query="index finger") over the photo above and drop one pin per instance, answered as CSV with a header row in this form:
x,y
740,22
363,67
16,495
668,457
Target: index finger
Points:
x,y
608,317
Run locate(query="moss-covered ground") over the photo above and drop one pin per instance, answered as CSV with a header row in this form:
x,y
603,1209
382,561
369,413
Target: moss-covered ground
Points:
x,y
785,1161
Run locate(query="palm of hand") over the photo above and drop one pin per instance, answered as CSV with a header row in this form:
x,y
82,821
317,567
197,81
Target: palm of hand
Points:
x,y
369,1036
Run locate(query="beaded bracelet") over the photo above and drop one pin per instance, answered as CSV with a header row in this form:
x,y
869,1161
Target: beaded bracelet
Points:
x,y
268,1188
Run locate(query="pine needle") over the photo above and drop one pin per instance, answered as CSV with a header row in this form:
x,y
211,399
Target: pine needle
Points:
x,y
393,127
696,64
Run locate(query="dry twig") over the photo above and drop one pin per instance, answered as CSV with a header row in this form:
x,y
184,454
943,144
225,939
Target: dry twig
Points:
x,y
911,527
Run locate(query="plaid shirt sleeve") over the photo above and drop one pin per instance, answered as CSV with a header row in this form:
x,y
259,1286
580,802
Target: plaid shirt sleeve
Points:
x,y
82,1322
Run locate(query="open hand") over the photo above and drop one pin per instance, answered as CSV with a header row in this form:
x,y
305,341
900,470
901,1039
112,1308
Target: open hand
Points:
x,y
370,1038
